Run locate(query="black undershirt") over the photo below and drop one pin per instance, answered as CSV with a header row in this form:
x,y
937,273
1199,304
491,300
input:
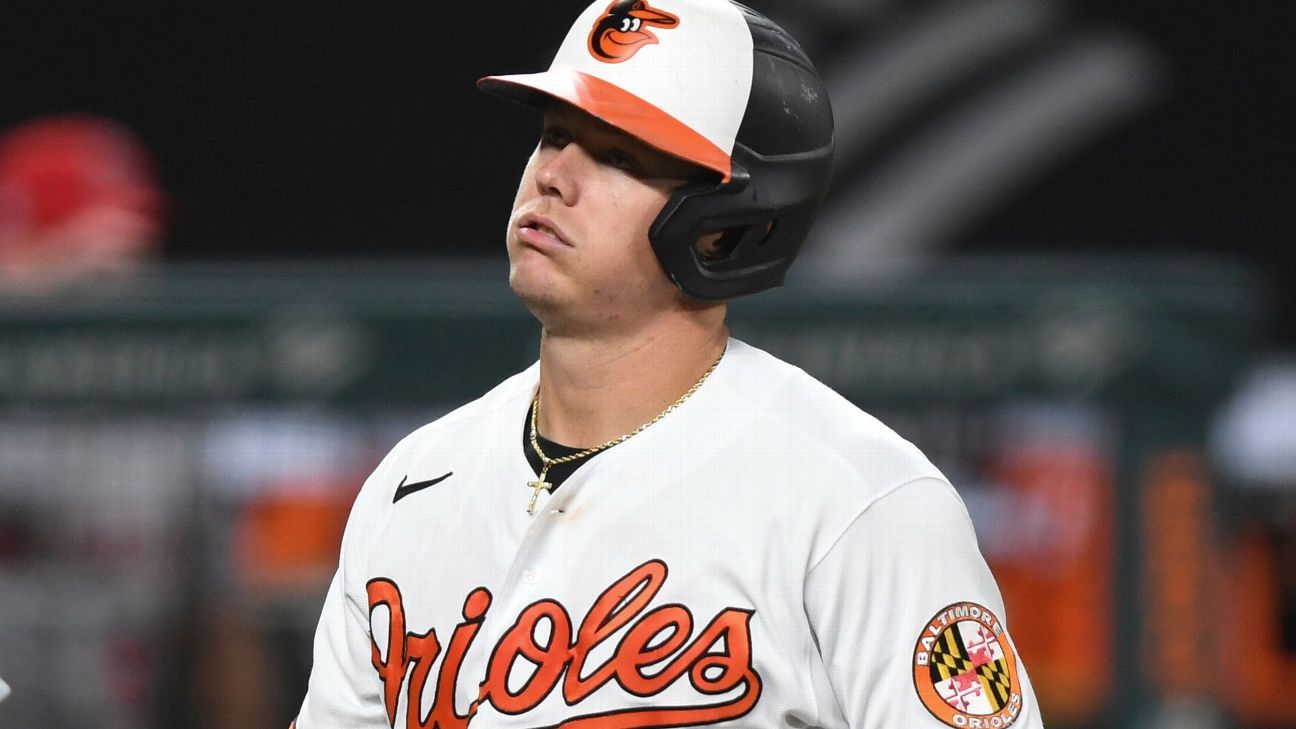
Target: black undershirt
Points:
x,y
559,473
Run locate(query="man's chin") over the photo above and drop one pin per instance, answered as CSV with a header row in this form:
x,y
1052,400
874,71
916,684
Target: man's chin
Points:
x,y
543,298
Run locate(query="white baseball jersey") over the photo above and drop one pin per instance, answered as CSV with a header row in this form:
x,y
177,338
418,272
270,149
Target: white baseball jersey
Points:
x,y
768,555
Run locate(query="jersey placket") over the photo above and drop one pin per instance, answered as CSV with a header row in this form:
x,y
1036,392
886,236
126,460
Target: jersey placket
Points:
x,y
530,573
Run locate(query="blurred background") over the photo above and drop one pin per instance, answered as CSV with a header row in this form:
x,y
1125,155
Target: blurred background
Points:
x,y
243,251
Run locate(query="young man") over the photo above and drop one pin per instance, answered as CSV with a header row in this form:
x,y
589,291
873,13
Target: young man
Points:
x,y
657,525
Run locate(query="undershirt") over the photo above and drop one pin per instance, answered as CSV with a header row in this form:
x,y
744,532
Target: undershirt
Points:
x,y
559,473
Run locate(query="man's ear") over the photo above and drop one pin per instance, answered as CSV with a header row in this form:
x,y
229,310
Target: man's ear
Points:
x,y
718,245
710,246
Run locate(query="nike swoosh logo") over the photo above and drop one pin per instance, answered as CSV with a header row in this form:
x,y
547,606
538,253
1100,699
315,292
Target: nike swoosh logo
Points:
x,y
403,489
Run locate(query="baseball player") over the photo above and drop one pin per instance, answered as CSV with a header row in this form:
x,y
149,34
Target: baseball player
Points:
x,y
657,525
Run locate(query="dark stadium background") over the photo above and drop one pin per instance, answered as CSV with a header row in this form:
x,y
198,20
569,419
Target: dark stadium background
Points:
x,y
355,130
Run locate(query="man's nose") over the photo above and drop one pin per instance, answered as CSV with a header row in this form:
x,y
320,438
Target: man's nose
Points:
x,y
559,172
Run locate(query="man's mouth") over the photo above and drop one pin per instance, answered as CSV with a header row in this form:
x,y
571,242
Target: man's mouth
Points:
x,y
543,229
543,226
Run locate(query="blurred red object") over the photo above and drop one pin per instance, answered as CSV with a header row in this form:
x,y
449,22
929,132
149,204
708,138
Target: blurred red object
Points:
x,y
78,195
1057,581
1256,669
288,537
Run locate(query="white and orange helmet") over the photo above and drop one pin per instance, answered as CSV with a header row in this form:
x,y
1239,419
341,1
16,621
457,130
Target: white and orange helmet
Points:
x,y
719,85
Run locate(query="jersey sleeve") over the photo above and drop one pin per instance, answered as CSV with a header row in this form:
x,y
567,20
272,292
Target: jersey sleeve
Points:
x,y
344,689
909,622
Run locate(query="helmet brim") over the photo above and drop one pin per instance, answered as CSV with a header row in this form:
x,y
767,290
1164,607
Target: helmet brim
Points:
x,y
616,106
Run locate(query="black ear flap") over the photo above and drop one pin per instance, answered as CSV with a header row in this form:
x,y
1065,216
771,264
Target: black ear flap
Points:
x,y
763,212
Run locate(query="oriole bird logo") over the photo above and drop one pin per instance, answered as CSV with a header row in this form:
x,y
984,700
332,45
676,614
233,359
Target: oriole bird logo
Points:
x,y
623,29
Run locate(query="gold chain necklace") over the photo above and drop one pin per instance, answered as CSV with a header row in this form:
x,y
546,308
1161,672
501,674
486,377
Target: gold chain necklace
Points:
x,y
540,484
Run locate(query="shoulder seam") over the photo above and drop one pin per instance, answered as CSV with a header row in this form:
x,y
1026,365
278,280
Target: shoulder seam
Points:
x,y
882,495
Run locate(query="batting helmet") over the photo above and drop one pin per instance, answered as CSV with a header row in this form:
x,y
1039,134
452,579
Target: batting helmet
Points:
x,y
719,85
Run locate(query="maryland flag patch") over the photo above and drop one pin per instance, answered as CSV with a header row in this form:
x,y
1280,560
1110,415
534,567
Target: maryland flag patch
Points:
x,y
965,669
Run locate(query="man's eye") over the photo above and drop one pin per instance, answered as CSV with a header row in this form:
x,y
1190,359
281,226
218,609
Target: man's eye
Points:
x,y
621,160
554,138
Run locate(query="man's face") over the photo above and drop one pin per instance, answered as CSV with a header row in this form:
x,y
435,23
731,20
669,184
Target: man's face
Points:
x,y
578,237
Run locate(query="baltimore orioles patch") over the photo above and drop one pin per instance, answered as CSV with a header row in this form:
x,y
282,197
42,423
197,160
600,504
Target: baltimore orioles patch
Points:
x,y
965,669
624,28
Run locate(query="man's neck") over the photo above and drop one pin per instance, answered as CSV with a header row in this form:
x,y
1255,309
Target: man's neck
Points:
x,y
593,390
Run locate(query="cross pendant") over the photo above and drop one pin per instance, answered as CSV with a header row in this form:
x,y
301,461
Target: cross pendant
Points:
x,y
536,487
